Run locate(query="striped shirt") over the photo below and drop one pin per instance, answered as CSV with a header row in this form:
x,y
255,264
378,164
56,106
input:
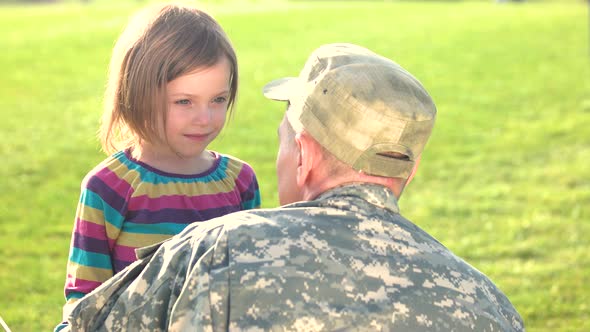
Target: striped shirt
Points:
x,y
126,204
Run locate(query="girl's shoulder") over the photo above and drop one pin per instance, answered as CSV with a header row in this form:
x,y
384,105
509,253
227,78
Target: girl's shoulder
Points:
x,y
234,166
115,168
232,159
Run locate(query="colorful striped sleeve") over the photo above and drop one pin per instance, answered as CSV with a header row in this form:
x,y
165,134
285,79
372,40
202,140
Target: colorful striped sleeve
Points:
x,y
99,220
247,184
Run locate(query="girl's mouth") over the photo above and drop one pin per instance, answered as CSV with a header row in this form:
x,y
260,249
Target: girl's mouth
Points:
x,y
197,137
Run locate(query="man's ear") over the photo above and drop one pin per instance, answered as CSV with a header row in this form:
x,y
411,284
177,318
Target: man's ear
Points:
x,y
414,169
305,158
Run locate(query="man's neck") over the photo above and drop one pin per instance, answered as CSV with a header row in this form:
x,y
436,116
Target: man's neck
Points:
x,y
323,184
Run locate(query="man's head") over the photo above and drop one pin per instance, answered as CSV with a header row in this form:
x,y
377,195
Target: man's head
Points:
x,y
366,111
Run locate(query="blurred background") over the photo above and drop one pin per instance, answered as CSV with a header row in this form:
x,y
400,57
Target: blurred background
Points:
x,y
504,181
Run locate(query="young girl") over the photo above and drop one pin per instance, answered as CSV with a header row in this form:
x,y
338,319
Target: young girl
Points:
x,y
173,77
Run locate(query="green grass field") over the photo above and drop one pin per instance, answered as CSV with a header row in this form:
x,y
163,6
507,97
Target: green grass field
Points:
x,y
504,182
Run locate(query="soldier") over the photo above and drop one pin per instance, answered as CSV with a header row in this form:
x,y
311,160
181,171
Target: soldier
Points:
x,y
338,255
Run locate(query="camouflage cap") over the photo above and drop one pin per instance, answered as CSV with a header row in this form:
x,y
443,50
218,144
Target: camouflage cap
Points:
x,y
360,106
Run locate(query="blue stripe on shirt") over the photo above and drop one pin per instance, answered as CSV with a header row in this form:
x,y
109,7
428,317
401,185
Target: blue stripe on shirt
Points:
x,y
74,295
86,258
111,215
159,228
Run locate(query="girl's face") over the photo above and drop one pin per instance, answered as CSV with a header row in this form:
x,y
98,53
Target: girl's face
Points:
x,y
197,106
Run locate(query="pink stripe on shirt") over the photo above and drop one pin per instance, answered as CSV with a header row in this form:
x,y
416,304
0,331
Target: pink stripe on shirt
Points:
x,y
124,253
80,285
92,230
202,202
112,180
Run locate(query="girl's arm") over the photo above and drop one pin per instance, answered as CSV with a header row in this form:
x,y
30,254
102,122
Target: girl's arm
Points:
x,y
96,228
247,184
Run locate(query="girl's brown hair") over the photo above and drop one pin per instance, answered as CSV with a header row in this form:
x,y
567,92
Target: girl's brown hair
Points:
x,y
161,43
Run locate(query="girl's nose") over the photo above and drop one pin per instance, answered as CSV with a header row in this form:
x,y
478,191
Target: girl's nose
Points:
x,y
202,115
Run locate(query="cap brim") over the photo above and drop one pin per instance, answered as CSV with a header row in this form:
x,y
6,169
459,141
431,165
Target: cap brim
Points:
x,y
282,89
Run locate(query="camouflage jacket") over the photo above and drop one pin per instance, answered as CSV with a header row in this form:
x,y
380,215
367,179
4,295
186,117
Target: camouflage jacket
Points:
x,y
345,261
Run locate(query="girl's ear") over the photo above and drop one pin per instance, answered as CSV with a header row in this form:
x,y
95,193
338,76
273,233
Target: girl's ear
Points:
x,y
305,159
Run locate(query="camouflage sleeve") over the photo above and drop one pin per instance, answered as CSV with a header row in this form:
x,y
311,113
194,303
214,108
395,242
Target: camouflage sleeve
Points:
x,y
203,303
178,285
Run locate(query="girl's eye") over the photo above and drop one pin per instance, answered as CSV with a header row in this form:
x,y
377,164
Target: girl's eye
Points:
x,y
183,102
220,100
